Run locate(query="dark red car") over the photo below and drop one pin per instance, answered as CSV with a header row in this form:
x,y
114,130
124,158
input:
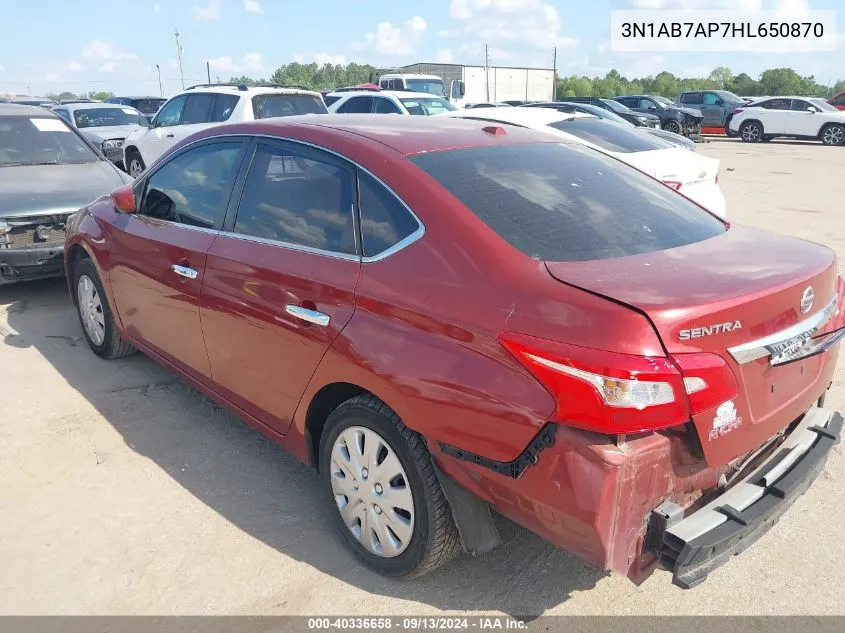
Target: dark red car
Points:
x,y
449,316
838,101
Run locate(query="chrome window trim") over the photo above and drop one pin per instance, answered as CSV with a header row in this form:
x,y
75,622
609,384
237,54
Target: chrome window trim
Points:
x,y
151,220
400,245
755,349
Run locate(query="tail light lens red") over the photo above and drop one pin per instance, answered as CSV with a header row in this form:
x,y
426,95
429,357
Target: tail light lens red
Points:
x,y
673,184
737,111
614,393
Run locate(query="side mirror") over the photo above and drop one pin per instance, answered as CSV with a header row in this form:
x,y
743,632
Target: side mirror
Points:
x,y
652,107
124,199
462,89
812,110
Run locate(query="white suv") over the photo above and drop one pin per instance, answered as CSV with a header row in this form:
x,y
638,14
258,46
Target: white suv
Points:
x,y
377,101
798,117
200,107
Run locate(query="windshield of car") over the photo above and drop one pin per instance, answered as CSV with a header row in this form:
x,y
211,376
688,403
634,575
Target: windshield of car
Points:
x,y
431,86
148,106
40,141
727,95
426,105
607,115
610,136
106,117
567,202
276,104
823,105
616,106
666,103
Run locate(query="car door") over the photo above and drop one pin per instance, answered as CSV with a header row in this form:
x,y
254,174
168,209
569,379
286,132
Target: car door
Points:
x,y
196,116
774,115
712,109
160,137
158,254
800,120
280,280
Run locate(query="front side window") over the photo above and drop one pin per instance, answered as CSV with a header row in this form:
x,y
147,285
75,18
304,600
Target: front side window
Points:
x,y
41,141
610,104
799,105
426,106
357,105
171,113
566,202
198,108
272,105
106,117
193,188
823,105
294,198
711,99
645,104
610,136
384,220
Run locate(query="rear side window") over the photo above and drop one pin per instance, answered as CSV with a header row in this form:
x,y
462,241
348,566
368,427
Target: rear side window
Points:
x,y
691,97
384,220
630,102
330,100
275,104
291,197
565,202
610,136
357,105
776,104
193,188
385,106
224,105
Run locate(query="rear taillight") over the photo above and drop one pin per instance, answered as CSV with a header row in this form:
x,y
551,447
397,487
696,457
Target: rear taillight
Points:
x,y
737,111
614,393
672,184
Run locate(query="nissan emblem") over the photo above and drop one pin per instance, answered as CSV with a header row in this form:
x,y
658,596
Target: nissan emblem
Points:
x,y
807,300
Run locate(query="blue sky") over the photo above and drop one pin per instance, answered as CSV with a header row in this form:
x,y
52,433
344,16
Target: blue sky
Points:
x,y
92,45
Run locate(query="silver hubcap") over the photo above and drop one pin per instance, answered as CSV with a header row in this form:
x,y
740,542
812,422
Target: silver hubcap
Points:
x,y
91,310
672,126
750,133
833,135
372,492
135,168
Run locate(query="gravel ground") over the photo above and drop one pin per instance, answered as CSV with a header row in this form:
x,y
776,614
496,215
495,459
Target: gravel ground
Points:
x,y
126,492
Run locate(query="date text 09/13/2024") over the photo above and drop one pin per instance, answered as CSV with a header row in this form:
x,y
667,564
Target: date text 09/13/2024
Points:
x,y
416,623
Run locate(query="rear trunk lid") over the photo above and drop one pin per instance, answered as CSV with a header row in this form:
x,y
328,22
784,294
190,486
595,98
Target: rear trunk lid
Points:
x,y
674,165
723,295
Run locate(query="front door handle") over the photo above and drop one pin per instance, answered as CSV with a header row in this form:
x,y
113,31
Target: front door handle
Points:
x,y
184,271
312,316
170,135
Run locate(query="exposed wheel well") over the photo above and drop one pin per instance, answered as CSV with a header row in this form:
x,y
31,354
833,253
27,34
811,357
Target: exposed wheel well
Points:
x,y
75,255
747,121
324,402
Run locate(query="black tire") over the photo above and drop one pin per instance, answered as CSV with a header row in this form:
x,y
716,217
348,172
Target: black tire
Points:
x,y
134,162
832,134
672,126
435,538
751,132
113,346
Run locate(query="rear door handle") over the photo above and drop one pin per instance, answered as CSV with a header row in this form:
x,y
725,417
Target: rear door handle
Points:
x,y
184,271
304,314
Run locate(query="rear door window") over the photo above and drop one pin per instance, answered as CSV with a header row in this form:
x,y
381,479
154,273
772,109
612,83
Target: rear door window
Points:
x,y
610,136
691,97
777,104
565,202
384,219
357,105
383,105
198,108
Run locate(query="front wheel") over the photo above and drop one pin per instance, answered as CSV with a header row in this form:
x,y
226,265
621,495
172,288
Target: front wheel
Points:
x,y
383,491
672,126
95,315
833,134
751,132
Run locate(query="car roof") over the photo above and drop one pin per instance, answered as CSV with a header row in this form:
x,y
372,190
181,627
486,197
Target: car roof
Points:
x,y
247,89
94,106
18,109
136,98
404,134
518,116
394,93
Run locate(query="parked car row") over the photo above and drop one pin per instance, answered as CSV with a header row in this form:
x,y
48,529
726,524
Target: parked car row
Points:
x,y
794,117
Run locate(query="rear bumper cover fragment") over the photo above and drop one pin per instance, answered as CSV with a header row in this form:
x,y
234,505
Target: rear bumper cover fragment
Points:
x,y
693,546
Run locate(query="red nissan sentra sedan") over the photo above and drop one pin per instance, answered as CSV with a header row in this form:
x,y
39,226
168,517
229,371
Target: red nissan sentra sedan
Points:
x,y
445,317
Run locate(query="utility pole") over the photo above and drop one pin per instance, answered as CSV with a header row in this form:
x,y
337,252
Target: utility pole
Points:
x,y
160,88
487,72
208,70
179,55
554,74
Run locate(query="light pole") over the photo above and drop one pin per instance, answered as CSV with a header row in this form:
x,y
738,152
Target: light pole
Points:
x,y
160,89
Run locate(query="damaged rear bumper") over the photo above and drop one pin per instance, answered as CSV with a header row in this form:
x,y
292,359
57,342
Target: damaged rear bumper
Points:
x,y
692,546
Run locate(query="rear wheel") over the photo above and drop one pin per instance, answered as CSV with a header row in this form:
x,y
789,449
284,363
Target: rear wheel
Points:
x,y
751,132
833,134
95,315
383,491
672,126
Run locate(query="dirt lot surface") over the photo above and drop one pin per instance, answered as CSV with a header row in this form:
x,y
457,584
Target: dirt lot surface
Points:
x,y
124,491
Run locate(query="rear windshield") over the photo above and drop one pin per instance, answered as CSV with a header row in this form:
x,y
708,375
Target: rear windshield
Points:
x,y
610,136
273,105
567,202
106,117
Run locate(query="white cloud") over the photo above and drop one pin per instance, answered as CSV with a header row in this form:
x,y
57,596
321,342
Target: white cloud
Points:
x,y
736,5
320,58
108,67
100,51
173,63
397,40
249,63
444,56
252,6
211,11
156,8
697,71
523,23
2,68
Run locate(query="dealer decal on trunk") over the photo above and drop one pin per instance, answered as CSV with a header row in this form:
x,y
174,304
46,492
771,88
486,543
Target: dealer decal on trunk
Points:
x,y
726,420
